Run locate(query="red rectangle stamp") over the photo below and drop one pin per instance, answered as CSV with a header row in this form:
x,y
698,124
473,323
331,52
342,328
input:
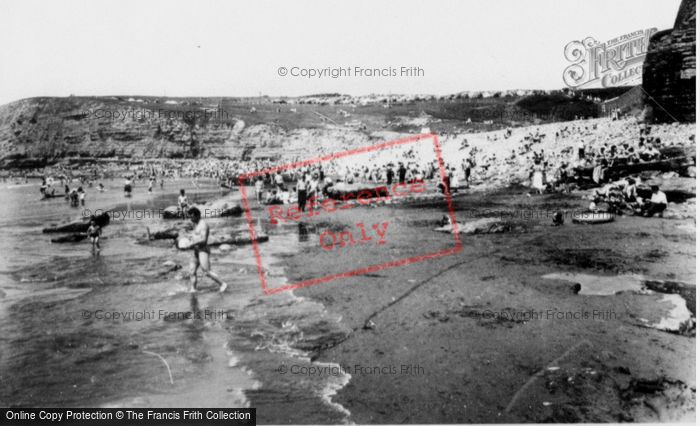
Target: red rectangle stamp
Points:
x,y
314,204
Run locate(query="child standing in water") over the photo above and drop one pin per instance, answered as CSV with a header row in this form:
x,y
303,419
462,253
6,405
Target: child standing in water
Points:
x,y
93,233
81,196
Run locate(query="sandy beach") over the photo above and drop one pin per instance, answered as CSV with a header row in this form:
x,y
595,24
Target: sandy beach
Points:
x,y
481,333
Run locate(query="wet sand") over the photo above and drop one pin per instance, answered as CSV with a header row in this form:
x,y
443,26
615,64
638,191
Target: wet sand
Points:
x,y
61,343
477,336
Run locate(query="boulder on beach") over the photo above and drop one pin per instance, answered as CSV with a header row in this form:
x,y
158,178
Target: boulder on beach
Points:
x,y
234,210
71,238
163,234
223,207
237,239
218,208
487,225
350,190
677,189
82,225
172,212
226,241
47,196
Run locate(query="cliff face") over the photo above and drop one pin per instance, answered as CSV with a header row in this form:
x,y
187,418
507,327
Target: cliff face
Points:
x,y
669,70
37,131
48,128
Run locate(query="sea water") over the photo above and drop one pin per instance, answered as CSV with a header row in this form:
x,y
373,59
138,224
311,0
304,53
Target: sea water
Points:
x,y
115,328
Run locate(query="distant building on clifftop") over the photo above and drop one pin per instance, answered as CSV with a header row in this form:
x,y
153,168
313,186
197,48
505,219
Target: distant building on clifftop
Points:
x,y
669,70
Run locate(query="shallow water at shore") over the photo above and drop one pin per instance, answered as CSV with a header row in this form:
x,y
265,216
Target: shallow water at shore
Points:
x,y
84,329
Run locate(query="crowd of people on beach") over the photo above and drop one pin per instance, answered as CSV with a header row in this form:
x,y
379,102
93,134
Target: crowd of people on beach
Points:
x,y
584,151
557,157
582,154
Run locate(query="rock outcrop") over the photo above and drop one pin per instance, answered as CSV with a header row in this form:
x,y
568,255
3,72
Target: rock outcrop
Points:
x,y
669,70
39,131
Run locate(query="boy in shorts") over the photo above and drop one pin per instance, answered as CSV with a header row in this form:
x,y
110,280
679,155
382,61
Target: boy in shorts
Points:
x,y
200,235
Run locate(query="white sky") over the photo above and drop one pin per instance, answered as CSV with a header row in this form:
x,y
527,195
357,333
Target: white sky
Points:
x,y
234,48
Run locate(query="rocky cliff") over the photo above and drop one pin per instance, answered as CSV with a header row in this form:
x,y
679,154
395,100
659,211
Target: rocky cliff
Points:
x,y
38,131
669,70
